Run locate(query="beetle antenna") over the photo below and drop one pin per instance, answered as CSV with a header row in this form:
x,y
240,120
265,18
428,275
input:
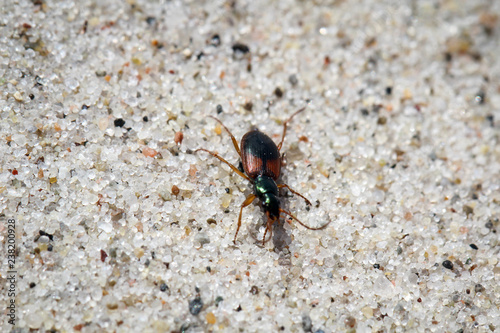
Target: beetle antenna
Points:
x,y
235,143
285,124
294,114
302,224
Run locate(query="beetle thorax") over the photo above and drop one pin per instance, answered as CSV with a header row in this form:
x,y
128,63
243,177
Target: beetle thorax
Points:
x,y
267,191
265,185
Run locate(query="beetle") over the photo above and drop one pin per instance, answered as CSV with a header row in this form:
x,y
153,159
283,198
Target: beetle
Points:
x,y
261,160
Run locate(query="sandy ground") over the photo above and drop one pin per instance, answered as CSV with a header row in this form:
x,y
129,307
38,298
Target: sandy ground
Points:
x,y
114,224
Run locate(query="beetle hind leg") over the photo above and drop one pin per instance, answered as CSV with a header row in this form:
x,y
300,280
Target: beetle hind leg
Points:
x,y
302,224
294,192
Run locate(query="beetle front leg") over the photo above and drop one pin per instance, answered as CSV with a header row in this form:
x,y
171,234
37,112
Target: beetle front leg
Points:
x,y
235,169
245,203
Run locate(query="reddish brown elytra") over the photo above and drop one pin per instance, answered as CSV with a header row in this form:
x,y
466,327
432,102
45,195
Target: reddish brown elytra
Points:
x,y
261,160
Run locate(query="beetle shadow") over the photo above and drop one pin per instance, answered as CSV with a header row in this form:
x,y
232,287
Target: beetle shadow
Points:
x,y
281,238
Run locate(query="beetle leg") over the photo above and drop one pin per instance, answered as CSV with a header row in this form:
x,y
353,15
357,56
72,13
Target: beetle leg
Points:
x,y
296,193
302,224
257,240
285,125
235,169
269,224
235,143
245,203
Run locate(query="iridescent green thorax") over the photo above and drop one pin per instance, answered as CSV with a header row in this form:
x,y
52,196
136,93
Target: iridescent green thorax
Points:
x,y
267,191
264,185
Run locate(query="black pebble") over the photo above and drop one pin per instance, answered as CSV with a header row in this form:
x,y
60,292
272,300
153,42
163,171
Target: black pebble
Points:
x,y
43,233
195,306
119,122
254,290
32,284
278,92
306,323
248,106
388,90
473,246
447,264
145,119
215,41
490,118
241,48
219,109
163,287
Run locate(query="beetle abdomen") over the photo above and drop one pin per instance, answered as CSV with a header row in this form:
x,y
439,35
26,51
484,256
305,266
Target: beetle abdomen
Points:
x,y
260,155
